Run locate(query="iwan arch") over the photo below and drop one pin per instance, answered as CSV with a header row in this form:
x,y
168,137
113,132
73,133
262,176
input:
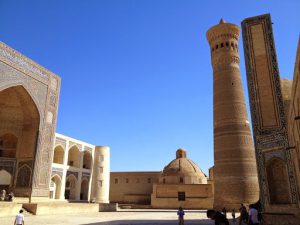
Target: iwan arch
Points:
x,y
28,144
28,108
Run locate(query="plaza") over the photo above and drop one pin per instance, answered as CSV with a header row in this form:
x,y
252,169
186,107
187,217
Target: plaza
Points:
x,y
122,217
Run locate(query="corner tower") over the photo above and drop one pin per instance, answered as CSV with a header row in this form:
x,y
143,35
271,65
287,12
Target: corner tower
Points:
x,y
235,174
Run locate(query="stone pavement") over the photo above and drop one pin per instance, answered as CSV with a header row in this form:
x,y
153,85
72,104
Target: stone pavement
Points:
x,y
122,217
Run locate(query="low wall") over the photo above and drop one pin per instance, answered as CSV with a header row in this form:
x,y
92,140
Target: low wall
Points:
x,y
60,208
108,207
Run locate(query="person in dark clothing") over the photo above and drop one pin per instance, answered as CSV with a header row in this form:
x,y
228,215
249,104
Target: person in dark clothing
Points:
x,y
224,212
218,217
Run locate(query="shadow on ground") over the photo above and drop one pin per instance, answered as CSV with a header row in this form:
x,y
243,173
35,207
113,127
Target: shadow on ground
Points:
x,y
153,222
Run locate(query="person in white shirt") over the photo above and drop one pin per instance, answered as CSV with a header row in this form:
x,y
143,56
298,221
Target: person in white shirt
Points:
x,y
19,218
253,215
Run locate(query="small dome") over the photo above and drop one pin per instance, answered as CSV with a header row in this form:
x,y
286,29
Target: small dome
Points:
x,y
183,168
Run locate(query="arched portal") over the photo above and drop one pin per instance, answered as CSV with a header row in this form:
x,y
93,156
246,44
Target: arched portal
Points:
x,y
74,157
278,182
19,125
58,156
87,160
55,187
84,190
70,191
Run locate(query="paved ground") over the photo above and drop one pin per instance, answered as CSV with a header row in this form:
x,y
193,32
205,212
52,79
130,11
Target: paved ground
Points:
x,y
123,217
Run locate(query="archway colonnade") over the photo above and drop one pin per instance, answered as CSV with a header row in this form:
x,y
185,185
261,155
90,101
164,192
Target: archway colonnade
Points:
x,y
71,169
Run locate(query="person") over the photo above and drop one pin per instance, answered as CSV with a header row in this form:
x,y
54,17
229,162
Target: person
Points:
x,y
3,195
253,215
233,215
224,212
243,214
20,218
218,217
11,196
180,214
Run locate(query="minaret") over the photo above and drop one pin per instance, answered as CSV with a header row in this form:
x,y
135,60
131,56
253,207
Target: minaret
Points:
x,y
235,174
101,175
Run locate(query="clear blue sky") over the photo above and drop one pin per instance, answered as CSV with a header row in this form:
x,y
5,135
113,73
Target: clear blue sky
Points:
x,y
136,75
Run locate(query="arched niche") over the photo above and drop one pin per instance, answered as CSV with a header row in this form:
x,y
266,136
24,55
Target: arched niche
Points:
x,y
56,185
19,126
70,189
74,157
84,190
87,160
278,182
58,156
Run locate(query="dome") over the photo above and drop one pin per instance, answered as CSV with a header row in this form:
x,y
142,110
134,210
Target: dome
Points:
x,y
182,170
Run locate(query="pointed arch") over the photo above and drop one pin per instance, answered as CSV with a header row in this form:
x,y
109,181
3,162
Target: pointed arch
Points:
x,y
56,186
87,160
71,185
58,156
84,189
74,156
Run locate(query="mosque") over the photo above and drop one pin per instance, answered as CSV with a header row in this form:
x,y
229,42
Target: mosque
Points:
x,y
38,165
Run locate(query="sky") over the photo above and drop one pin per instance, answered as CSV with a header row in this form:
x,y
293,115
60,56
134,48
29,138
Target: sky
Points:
x,y
136,74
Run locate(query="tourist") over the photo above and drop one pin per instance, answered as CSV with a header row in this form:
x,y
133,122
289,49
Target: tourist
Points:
x,y
3,194
218,217
253,215
19,218
224,212
233,215
11,196
180,214
243,214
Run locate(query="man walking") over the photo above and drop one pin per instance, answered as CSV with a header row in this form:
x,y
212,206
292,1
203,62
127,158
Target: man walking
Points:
x,y
19,218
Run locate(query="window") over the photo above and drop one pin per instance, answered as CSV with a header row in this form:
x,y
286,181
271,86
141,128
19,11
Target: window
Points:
x,y
227,44
181,180
164,180
100,183
149,180
181,196
217,46
222,45
127,180
116,181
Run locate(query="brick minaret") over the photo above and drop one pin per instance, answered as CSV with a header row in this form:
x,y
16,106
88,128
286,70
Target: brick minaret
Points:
x,y
235,174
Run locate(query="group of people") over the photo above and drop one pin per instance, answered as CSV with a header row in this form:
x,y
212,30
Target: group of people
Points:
x,y
6,197
220,218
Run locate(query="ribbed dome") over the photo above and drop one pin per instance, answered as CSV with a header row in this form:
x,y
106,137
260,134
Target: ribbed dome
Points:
x,y
184,168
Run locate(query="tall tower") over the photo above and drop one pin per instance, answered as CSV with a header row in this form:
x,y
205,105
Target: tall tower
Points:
x,y
235,174
101,174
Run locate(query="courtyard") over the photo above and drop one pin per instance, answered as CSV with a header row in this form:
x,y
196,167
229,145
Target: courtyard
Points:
x,y
122,217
